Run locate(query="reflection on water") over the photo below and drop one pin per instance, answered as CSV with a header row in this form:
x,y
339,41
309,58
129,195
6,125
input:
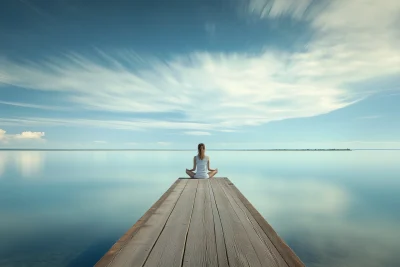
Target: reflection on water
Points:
x,y
321,222
333,209
3,163
100,156
298,197
29,163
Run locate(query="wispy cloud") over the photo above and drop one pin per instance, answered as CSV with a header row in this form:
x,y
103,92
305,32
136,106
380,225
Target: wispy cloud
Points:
x,y
227,130
231,90
370,117
131,143
164,143
100,142
197,133
227,90
277,8
35,8
375,142
136,125
27,105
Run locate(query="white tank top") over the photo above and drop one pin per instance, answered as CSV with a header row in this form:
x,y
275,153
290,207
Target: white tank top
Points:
x,y
201,166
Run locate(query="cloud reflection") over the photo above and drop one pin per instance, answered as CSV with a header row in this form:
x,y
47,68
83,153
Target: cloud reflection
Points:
x,y
321,222
339,241
3,163
29,163
301,196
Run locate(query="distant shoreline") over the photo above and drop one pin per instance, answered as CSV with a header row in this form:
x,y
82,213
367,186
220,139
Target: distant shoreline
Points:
x,y
60,149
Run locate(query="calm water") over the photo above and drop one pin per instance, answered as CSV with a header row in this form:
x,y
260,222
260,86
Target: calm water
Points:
x,y
68,208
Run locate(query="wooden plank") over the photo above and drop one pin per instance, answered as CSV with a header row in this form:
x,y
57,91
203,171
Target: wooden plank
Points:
x,y
285,251
222,255
139,239
200,246
210,227
238,245
169,248
265,250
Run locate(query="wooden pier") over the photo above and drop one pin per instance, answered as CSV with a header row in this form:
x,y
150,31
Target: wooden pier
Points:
x,y
201,222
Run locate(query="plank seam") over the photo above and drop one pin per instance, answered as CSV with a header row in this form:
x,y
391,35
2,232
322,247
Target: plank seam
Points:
x,y
213,221
223,190
204,224
222,227
187,230
235,247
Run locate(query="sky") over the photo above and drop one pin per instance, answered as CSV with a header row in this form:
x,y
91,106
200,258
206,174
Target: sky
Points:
x,y
172,74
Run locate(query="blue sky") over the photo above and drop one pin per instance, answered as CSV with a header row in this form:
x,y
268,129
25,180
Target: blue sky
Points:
x,y
171,74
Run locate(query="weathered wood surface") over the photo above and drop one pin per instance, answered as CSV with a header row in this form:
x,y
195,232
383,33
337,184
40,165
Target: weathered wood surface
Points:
x,y
201,222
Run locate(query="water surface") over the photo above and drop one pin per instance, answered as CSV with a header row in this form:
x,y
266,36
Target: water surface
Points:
x,y
334,209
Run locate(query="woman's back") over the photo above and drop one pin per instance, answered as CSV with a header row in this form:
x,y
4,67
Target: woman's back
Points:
x,y
201,165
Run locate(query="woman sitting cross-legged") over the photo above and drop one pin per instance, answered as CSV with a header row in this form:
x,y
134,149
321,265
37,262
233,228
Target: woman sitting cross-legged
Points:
x,y
202,163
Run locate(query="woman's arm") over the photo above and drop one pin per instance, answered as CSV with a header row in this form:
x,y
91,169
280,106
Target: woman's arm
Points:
x,y
194,164
208,165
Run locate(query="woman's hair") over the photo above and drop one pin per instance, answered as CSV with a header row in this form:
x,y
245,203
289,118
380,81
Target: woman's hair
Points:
x,y
201,156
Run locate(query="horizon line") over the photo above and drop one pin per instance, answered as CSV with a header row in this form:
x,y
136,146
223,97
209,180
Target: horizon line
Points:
x,y
186,149
170,149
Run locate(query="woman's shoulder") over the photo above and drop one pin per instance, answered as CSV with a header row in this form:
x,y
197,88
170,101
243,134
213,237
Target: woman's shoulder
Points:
x,y
205,157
